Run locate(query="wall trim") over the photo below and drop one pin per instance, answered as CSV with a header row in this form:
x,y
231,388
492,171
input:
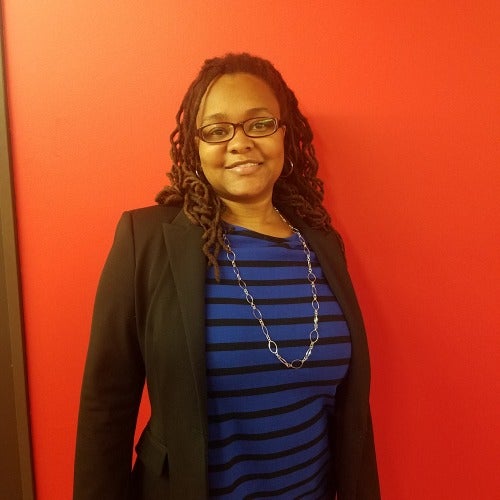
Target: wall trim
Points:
x,y
15,459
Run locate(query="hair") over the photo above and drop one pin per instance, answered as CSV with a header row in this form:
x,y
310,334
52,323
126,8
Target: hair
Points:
x,y
300,194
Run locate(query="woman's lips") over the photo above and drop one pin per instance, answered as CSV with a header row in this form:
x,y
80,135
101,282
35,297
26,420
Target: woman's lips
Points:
x,y
244,167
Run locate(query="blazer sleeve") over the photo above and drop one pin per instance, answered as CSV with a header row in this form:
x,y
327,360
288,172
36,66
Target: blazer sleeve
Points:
x,y
355,474
113,379
368,484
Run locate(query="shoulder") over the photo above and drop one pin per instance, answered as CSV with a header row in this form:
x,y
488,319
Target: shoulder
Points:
x,y
153,214
144,226
329,239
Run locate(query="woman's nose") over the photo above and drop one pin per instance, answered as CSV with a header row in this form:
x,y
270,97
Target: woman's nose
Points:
x,y
240,141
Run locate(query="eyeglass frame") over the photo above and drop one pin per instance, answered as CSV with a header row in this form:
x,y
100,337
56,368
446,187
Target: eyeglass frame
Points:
x,y
277,121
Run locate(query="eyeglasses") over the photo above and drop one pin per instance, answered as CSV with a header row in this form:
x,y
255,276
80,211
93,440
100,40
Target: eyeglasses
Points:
x,y
224,131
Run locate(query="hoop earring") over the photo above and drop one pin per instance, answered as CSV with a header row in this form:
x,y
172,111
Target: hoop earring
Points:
x,y
290,170
196,172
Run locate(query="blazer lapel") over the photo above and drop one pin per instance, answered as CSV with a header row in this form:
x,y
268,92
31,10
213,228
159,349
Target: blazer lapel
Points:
x,y
183,241
334,268
323,248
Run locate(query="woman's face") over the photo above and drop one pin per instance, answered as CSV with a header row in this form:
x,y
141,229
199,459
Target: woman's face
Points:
x,y
243,169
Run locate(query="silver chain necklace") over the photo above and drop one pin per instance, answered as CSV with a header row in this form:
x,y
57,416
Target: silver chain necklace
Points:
x,y
311,277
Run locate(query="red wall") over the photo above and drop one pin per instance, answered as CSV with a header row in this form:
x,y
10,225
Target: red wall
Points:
x,y
403,100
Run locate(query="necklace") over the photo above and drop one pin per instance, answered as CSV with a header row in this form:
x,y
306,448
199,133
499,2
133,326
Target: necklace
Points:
x,y
257,314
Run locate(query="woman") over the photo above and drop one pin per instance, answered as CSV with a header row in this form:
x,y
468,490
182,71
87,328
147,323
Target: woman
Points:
x,y
232,299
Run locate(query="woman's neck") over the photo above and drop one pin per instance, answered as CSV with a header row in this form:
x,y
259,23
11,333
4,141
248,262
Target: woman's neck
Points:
x,y
263,219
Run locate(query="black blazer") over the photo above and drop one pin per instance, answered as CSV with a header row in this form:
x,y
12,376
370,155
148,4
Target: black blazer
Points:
x,y
149,321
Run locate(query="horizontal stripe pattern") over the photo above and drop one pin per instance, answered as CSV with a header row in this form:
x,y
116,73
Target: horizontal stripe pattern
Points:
x,y
268,424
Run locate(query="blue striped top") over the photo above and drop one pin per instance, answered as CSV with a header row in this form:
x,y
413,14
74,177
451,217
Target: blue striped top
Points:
x,y
268,424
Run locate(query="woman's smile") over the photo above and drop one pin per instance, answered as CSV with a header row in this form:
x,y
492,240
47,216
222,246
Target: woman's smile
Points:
x,y
244,167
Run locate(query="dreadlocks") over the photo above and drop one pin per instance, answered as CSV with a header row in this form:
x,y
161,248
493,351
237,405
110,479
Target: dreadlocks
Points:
x,y
299,194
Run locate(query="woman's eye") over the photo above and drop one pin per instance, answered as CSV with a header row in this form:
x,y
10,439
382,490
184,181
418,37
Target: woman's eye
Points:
x,y
262,125
216,131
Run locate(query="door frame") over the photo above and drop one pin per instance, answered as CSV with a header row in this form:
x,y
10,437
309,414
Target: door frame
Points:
x,y
16,481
